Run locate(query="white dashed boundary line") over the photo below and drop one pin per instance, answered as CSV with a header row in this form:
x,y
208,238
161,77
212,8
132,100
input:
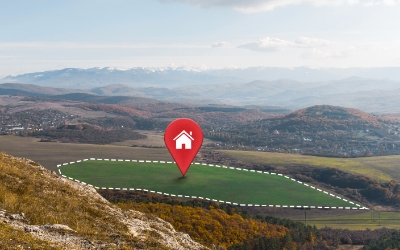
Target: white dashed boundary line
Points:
x,y
220,201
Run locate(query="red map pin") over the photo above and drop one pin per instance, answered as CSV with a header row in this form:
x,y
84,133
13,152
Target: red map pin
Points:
x,y
183,138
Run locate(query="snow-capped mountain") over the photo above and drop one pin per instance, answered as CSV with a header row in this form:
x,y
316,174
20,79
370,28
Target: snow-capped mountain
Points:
x,y
175,77
135,77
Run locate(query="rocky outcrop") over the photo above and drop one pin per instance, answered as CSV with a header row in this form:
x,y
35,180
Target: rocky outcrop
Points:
x,y
133,229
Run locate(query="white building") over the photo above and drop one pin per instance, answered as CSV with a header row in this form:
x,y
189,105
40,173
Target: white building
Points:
x,y
183,139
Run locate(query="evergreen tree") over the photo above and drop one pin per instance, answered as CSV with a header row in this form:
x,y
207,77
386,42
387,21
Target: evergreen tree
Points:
x,y
287,242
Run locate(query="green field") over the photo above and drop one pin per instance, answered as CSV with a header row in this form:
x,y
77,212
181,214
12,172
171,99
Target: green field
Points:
x,y
232,185
361,221
383,168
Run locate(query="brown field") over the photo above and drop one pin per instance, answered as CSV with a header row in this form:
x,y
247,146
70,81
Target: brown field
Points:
x,y
49,154
10,100
154,138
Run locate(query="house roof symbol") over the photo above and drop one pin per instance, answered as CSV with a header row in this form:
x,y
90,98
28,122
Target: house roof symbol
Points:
x,y
186,134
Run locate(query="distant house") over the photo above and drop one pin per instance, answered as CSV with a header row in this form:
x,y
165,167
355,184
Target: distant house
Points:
x,y
17,128
183,139
276,132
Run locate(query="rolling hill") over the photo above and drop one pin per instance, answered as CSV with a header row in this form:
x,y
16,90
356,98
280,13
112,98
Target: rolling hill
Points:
x,y
34,90
322,118
322,130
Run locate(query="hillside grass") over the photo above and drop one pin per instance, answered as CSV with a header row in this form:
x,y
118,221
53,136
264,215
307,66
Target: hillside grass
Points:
x,y
25,189
47,199
382,168
11,238
231,185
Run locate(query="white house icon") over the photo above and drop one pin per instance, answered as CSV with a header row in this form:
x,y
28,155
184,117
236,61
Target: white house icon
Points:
x,y
184,139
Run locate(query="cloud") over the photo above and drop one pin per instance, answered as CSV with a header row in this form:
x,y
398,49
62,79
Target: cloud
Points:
x,y
253,6
307,42
219,44
389,2
316,53
8,57
381,2
268,44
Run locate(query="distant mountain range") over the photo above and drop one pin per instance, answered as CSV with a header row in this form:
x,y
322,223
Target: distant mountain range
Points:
x,y
136,77
175,77
234,87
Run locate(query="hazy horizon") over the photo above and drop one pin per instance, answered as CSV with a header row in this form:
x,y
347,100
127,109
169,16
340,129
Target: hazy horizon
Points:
x,y
48,35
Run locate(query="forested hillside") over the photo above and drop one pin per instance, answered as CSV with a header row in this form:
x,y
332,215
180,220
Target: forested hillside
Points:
x,y
318,130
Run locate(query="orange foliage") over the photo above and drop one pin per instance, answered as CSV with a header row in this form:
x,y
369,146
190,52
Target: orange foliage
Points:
x,y
112,108
210,227
204,117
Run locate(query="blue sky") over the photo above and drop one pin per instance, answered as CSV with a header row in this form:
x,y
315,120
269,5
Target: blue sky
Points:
x,y
46,35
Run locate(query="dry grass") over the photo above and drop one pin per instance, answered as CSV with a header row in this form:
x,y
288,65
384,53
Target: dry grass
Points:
x,y
11,238
154,139
49,154
45,199
24,189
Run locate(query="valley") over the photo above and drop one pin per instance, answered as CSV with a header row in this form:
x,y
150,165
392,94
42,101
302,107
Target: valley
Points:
x,y
200,125
341,151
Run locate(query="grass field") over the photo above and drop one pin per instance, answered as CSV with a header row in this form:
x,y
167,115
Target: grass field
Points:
x,y
383,168
361,221
225,184
335,218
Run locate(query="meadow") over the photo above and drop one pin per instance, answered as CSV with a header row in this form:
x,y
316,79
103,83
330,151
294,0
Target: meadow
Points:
x,y
360,221
382,168
226,184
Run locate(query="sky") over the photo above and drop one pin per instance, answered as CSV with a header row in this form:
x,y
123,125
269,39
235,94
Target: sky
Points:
x,y
41,35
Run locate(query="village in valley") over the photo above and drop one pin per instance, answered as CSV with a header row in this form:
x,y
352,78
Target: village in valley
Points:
x,y
362,143
29,121
334,131
296,133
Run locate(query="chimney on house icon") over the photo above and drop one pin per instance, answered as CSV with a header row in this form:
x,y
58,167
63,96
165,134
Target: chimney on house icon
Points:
x,y
184,138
